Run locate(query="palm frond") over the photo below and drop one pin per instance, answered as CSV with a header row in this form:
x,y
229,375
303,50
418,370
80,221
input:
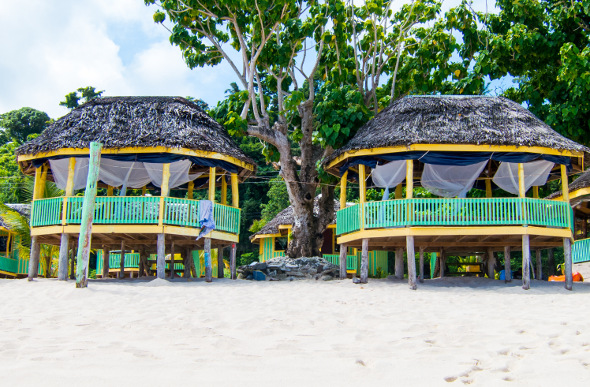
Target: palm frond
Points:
x,y
16,223
51,190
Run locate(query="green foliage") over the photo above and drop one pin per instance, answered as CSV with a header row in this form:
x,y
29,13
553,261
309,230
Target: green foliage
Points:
x,y
257,225
11,178
19,124
278,199
247,258
73,99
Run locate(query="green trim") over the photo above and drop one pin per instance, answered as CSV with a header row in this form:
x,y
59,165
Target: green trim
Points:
x,y
581,251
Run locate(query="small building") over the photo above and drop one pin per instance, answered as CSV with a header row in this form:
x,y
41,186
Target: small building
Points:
x,y
12,265
157,152
448,145
579,194
275,236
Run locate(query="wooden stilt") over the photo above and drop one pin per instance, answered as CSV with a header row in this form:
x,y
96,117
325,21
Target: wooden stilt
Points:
x,y
539,267
106,252
399,263
172,260
421,278
365,261
411,262
122,261
232,261
34,258
550,262
443,263
161,256
343,273
507,265
567,258
64,249
73,259
491,264
187,264
208,269
526,256
220,263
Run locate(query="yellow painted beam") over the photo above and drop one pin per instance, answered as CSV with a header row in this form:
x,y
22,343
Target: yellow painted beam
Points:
x,y
536,191
143,190
191,187
409,179
488,188
343,190
453,148
576,194
565,192
399,191
223,190
521,187
235,193
135,150
38,171
262,236
362,184
212,184
70,183
110,190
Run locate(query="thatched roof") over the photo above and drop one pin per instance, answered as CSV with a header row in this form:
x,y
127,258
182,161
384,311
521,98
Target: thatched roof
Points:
x,y
456,120
119,122
583,181
285,217
23,209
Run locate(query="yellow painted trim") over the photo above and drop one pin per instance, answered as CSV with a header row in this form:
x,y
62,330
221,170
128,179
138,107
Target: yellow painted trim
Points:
x,y
565,193
536,191
343,190
262,236
521,187
284,226
135,150
8,273
223,190
212,184
453,148
46,230
409,179
455,231
576,194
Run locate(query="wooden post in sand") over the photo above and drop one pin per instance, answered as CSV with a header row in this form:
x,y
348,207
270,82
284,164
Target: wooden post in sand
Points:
x,y
539,275
232,261
491,264
187,263
421,278
507,266
161,257
220,263
365,261
411,262
122,261
34,258
72,259
526,256
399,263
442,259
172,260
106,251
208,269
343,273
567,258
85,238
550,262
62,267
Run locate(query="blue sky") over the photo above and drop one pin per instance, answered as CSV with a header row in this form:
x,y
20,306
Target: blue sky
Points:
x,y
49,48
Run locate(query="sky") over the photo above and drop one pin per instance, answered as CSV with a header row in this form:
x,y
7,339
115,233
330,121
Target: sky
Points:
x,y
49,48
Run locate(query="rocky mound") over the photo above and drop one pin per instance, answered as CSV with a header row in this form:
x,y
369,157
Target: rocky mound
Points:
x,y
284,268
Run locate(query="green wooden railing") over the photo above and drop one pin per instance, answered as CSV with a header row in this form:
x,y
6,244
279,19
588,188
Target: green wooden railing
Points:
x,y
348,220
46,212
227,218
456,212
134,210
581,251
351,260
131,261
8,264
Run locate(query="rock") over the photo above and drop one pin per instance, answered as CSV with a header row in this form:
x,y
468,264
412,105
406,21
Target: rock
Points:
x,y
259,276
285,268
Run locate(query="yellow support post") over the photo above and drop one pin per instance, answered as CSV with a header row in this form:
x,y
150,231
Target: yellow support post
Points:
x,y
536,191
143,190
110,190
191,188
488,188
69,188
235,194
521,188
409,179
164,191
212,184
399,191
40,185
343,190
38,171
564,184
362,194
223,190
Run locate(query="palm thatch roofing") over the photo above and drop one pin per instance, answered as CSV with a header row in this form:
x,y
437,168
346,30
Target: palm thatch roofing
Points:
x,y
23,209
285,218
120,122
583,181
474,120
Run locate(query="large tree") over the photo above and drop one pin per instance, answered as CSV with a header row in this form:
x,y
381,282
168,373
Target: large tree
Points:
x,y
19,124
311,73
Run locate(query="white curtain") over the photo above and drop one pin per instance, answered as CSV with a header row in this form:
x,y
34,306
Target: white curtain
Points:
x,y
451,180
389,175
123,174
536,173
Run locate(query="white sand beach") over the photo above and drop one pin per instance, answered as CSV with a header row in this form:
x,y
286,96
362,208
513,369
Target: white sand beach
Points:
x,y
152,333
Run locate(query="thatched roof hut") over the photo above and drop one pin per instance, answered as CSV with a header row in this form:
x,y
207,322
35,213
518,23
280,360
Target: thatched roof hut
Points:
x,y
23,209
159,124
285,218
581,183
456,120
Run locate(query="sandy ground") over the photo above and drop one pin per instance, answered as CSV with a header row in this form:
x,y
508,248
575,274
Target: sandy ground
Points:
x,y
153,333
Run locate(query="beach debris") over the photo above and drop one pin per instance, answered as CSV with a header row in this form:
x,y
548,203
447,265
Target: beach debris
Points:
x,y
289,269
